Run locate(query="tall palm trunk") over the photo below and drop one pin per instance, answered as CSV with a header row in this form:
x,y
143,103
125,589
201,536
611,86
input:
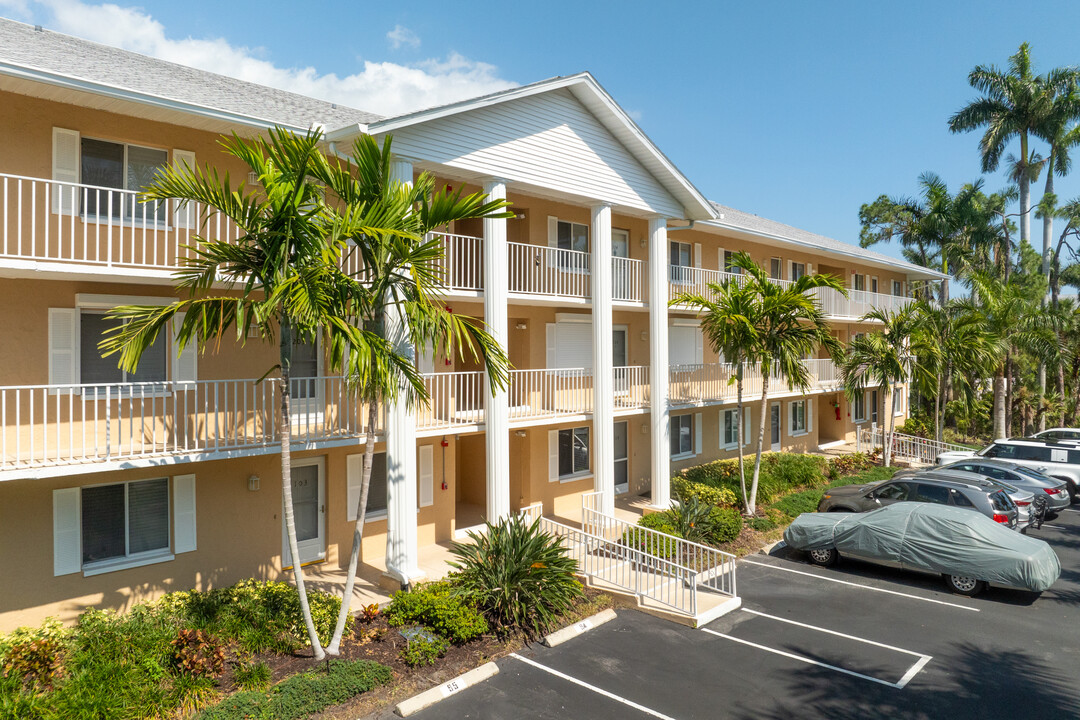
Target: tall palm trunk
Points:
x,y
751,507
358,529
890,426
1009,389
938,386
286,484
1048,231
999,403
1025,190
739,425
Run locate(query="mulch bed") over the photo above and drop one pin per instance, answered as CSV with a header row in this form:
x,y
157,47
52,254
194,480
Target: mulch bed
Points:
x,y
378,641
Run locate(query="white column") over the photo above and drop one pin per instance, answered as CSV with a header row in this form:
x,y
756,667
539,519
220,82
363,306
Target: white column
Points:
x,y
659,418
401,504
496,404
603,440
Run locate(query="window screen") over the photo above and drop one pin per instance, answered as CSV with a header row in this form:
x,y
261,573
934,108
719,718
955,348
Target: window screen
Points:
x,y
573,451
125,519
93,368
682,434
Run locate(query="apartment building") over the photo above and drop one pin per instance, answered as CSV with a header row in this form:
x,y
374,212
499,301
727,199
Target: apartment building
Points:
x,y
117,487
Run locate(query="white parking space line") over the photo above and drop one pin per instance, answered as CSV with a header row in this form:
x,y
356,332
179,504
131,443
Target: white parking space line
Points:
x,y
913,671
838,634
808,661
587,686
1055,527
864,587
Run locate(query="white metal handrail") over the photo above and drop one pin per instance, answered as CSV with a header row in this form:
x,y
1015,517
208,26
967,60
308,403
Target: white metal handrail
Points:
x,y
45,425
715,568
709,382
454,398
630,386
49,220
627,279
548,392
543,270
532,512
910,447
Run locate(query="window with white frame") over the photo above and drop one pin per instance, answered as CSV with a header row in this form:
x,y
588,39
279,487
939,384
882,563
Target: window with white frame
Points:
x,y
679,260
573,236
376,501
776,268
124,520
94,326
797,270
798,417
729,258
898,288
730,438
858,408
124,167
573,451
682,435
873,285
898,400
858,282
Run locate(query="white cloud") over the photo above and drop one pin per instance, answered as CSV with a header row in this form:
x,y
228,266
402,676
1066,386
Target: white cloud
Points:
x,y
402,35
381,87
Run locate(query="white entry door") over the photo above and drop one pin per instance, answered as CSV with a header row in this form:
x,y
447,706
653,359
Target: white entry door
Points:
x,y
774,427
309,512
622,459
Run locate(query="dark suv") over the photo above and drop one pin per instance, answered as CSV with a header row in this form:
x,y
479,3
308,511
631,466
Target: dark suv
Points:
x,y
956,488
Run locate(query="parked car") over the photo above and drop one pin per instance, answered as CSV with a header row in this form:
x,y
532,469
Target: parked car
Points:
x,y
956,488
1023,498
1021,476
1057,458
1059,434
965,548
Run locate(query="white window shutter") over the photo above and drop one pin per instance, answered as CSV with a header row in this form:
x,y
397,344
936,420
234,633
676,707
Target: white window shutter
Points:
x,y
809,415
746,425
63,346
720,260
697,255
553,455
184,365
184,535
67,531
699,347
66,160
552,356
354,477
697,433
809,268
183,217
553,231
426,472
790,418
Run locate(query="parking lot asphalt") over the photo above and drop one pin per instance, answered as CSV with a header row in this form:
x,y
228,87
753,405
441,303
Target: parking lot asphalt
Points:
x,y
847,642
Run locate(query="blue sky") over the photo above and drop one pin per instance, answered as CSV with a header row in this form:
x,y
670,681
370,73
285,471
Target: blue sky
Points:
x,y
796,111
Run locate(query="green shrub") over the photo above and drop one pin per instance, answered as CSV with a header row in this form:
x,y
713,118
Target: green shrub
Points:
x,y
421,651
692,520
436,606
761,524
520,576
261,615
779,472
196,654
251,675
303,695
853,462
37,663
684,489
725,524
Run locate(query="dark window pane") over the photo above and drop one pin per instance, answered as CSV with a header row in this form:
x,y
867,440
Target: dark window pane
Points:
x,y
92,367
893,491
376,499
143,167
931,493
565,234
959,499
1001,501
305,365
102,523
581,238
152,363
566,452
148,515
103,166
581,450
1026,452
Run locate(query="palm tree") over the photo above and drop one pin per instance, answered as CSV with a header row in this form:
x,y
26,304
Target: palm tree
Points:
x,y
729,322
789,325
281,276
1014,104
882,357
397,297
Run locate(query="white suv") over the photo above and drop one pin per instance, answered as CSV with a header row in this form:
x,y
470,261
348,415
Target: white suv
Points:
x,y
1058,459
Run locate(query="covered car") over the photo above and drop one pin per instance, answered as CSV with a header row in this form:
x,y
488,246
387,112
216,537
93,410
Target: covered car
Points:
x,y
968,549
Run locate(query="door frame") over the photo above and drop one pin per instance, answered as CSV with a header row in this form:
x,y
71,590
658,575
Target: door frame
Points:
x,y
311,551
774,409
626,459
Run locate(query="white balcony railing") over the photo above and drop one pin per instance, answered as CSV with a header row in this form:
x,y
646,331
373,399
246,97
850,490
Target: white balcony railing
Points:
x,y
714,382
543,270
550,392
43,425
631,386
455,399
683,279
78,224
627,279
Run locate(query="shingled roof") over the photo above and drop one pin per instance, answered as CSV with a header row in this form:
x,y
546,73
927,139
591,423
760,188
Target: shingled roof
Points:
x,y
52,52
